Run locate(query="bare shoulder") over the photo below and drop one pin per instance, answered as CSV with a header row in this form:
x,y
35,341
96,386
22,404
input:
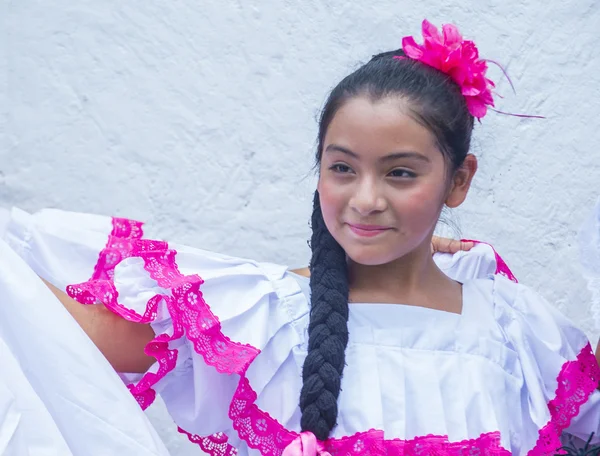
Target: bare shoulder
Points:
x,y
304,272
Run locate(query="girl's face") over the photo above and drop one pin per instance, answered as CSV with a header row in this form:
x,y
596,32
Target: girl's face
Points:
x,y
383,181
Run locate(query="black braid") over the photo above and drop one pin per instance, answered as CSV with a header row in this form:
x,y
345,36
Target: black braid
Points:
x,y
327,330
436,102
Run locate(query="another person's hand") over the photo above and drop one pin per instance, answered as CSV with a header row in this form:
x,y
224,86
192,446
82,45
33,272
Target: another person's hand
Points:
x,y
445,245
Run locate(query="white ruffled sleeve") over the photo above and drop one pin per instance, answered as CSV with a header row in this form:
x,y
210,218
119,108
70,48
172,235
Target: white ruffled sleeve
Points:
x,y
65,396
479,262
559,369
213,315
61,247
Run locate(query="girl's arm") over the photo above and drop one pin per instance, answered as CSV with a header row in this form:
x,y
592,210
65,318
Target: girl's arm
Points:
x,y
122,342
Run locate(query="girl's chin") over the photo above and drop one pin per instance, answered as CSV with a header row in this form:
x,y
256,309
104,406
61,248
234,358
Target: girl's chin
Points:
x,y
368,257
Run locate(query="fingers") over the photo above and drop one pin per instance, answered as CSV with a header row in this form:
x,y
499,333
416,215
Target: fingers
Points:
x,y
445,245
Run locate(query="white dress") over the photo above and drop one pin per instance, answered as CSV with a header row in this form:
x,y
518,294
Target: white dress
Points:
x,y
510,375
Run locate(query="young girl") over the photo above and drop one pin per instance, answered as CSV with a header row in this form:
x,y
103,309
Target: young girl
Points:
x,y
378,348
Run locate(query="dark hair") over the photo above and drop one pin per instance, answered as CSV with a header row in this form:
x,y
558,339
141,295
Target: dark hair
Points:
x,y
436,102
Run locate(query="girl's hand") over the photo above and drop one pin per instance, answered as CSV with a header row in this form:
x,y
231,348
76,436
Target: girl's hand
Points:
x,y
445,245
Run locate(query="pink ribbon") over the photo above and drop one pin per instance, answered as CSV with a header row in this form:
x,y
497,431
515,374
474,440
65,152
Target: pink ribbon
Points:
x,y
306,444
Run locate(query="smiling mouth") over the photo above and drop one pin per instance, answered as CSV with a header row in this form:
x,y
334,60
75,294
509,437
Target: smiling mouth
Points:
x,y
368,230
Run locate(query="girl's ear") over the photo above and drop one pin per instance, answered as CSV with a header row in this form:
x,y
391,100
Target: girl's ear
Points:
x,y
461,182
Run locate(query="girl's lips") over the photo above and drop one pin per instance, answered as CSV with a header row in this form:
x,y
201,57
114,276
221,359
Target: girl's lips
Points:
x,y
367,230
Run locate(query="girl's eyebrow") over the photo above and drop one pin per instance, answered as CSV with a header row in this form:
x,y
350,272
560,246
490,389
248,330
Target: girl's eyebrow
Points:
x,y
390,157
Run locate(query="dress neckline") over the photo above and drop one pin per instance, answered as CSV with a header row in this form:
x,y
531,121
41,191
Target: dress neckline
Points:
x,y
407,307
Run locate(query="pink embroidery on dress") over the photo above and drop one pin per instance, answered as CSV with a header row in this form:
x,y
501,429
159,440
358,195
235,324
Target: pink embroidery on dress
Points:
x,y
485,445
373,443
501,267
126,228
101,288
192,316
215,445
123,242
263,433
117,247
202,327
576,381
256,427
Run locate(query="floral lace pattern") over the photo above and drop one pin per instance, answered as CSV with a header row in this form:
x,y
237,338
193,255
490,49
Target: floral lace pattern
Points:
x,y
188,308
119,243
215,445
192,317
123,242
576,381
256,427
261,432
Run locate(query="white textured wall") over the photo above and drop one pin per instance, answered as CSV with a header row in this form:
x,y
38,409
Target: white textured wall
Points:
x,y
199,117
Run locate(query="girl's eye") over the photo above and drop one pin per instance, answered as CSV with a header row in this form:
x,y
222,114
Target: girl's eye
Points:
x,y
402,173
339,168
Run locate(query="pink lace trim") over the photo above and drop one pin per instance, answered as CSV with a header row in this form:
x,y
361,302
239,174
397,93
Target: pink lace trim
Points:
x,y
189,309
501,266
262,432
255,426
123,242
123,233
101,288
215,445
192,316
576,381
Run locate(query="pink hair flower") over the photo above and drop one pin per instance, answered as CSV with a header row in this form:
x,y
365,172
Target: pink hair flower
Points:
x,y
458,58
